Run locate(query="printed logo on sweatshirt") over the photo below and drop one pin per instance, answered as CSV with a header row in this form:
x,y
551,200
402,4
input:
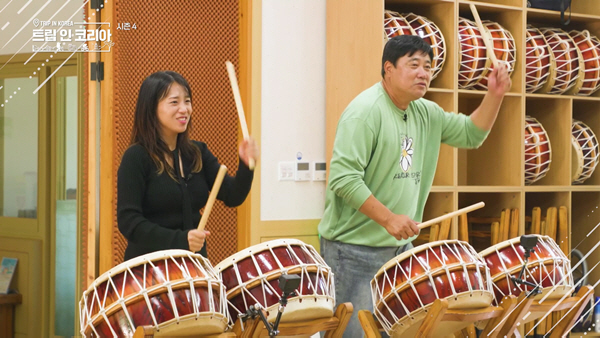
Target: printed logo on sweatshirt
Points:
x,y
406,153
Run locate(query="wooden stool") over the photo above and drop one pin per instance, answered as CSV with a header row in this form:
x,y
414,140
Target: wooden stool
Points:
x,y
334,326
439,313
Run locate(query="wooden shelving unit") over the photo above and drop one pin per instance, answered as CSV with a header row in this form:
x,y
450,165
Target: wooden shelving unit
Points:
x,y
493,173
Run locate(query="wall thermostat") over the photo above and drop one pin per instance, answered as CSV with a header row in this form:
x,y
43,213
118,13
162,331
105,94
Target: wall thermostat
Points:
x,y
302,171
320,172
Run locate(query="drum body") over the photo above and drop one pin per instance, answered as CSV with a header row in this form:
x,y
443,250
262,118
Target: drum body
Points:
x,y
567,61
176,291
473,59
504,49
538,59
251,276
427,30
395,24
538,153
406,286
589,48
585,152
547,266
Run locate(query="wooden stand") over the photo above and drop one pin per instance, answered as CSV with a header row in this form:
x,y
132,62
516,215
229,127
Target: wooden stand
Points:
x,y
149,331
574,305
439,313
7,313
334,327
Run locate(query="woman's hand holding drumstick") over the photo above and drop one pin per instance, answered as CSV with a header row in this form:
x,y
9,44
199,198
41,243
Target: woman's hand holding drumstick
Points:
x,y
250,149
196,237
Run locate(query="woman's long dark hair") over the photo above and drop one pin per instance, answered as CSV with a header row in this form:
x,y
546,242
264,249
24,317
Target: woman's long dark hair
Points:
x,y
146,127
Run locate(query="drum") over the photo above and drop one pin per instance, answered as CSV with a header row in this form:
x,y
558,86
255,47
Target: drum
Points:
x,y
473,59
395,24
251,277
504,49
547,266
538,153
589,47
427,30
538,60
176,291
567,61
405,287
585,152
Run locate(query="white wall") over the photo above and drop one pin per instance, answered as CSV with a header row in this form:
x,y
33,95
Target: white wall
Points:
x,y
293,105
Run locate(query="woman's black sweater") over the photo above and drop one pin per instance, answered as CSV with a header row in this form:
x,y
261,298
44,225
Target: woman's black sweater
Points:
x,y
155,212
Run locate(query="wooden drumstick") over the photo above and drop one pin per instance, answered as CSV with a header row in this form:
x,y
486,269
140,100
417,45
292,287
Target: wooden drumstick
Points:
x,y
484,34
212,197
238,104
452,214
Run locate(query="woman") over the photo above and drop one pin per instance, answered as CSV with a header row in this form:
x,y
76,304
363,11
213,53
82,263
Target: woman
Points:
x,y
164,178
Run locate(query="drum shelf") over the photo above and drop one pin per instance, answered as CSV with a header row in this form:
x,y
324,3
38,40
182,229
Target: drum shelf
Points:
x,y
495,172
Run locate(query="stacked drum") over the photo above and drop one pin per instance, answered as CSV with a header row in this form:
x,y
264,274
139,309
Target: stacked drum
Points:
x,y
411,24
562,63
475,64
538,153
585,152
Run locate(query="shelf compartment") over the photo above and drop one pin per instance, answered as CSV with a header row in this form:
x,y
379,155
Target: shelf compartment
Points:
x,y
555,116
438,204
438,13
587,112
480,232
494,5
444,174
585,233
545,200
512,20
498,161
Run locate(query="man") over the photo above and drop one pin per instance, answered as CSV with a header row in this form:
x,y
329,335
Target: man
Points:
x,y
384,158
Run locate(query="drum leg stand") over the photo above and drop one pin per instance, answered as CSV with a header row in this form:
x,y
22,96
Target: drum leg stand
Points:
x,y
574,305
334,327
439,313
149,331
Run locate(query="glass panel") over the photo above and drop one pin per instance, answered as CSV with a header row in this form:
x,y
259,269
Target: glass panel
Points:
x,y
66,205
18,147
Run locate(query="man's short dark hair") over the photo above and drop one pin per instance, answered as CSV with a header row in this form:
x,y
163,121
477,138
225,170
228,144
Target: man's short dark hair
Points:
x,y
401,45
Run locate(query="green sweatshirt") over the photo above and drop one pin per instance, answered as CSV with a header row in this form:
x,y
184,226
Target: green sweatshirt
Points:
x,y
391,153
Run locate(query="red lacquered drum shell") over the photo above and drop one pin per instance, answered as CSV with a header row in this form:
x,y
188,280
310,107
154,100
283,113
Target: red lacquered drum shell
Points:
x,y
472,58
395,24
504,49
252,276
427,30
567,61
412,281
538,60
585,154
158,289
547,266
589,47
538,153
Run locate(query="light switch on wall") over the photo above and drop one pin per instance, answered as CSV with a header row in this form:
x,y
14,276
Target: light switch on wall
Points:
x,y
287,171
